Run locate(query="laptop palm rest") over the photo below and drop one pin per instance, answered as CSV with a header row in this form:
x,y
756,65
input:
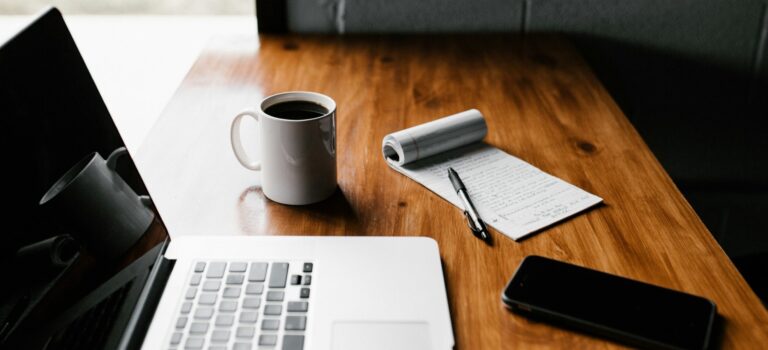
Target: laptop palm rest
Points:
x,y
381,335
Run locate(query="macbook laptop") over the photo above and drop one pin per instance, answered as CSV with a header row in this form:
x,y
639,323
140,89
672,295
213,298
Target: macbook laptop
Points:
x,y
214,292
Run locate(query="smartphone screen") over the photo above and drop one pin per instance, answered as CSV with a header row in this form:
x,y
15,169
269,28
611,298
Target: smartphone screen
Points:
x,y
609,305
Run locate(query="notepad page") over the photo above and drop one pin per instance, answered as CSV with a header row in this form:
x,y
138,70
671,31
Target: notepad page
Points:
x,y
512,196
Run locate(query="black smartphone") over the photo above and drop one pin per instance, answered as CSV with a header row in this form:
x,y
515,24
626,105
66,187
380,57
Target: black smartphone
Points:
x,y
619,308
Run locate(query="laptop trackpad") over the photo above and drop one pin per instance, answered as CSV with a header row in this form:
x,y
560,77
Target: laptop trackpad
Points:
x,y
381,335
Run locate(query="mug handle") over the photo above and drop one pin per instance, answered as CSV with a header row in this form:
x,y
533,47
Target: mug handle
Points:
x,y
112,159
237,144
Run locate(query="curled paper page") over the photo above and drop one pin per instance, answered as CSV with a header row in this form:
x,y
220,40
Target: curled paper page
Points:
x,y
421,141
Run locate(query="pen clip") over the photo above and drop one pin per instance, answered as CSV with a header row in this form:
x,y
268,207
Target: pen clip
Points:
x,y
471,223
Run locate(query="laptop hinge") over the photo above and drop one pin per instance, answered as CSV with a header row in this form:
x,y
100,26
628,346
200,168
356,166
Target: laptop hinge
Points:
x,y
145,306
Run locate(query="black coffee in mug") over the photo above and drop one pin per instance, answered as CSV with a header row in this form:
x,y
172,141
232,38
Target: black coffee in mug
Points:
x,y
296,110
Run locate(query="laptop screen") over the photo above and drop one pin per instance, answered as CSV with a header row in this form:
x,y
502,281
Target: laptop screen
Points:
x,y
57,175
51,117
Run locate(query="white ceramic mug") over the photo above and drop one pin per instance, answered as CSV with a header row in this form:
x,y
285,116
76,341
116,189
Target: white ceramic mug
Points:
x,y
297,156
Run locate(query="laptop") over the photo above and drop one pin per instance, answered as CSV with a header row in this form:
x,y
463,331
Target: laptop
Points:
x,y
212,292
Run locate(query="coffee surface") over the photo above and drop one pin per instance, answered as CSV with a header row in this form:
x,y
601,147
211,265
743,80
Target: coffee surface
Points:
x,y
296,110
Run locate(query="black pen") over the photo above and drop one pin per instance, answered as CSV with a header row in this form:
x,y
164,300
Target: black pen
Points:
x,y
473,219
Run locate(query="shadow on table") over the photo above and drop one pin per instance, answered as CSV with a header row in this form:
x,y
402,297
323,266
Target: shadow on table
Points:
x,y
335,208
334,215
705,122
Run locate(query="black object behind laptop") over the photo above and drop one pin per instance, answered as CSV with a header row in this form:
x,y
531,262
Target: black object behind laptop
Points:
x,y
629,311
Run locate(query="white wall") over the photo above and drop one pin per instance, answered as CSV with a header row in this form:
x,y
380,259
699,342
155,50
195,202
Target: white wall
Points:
x,y
139,61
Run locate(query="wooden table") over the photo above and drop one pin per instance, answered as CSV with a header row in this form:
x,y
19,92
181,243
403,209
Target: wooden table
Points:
x,y
542,103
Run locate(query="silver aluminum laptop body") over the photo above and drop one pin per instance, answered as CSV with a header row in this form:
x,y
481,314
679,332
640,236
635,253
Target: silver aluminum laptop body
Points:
x,y
366,292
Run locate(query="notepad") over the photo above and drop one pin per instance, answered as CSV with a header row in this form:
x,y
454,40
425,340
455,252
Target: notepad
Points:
x,y
512,196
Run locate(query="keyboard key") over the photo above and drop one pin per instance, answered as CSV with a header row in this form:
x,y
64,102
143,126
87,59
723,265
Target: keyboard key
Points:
x,y
216,270
207,299
279,275
258,272
220,336
298,306
293,342
199,327
308,267
232,292
176,338
275,295
237,267
200,266
273,310
268,339
195,280
225,320
304,293
186,307
251,303
295,280
191,292
270,325
254,289
211,286
249,317
245,332
295,323
181,322
307,280
194,343
228,306
203,313
217,347
235,279
242,346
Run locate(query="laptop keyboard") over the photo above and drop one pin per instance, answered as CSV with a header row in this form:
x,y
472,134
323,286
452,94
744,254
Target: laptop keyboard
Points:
x,y
91,329
244,305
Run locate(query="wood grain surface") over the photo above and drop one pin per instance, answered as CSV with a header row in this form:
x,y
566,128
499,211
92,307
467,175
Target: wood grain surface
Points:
x,y
542,104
